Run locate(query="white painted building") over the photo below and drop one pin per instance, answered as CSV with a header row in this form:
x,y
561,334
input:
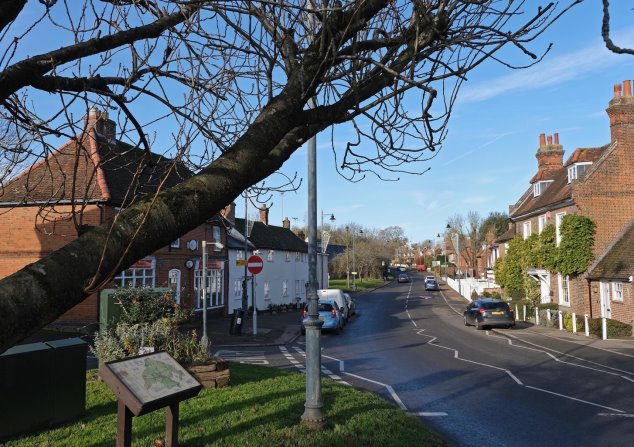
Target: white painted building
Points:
x,y
284,274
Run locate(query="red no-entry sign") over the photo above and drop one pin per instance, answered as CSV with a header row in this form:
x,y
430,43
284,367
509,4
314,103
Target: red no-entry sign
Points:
x,y
255,264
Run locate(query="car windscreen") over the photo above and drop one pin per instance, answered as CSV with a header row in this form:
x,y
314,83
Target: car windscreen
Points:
x,y
494,305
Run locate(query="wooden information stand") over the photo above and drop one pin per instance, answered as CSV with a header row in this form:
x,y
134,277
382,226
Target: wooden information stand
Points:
x,y
146,383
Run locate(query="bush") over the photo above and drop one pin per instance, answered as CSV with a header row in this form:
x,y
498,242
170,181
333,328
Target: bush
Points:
x,y
568,322
615,328
551,306
149,319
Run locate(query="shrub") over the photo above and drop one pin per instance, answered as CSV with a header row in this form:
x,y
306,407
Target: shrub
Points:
x,y
551,306
568,322
615,328
149,319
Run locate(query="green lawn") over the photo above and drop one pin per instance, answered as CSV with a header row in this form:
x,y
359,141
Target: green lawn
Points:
x,y
262,407
362,285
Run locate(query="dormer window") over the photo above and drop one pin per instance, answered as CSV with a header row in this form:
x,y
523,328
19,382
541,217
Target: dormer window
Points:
x,y
540,187
577,170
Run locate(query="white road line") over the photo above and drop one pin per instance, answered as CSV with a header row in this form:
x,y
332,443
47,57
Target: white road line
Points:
x,y
573,398
512,376
623,415
544,349
429,413
389,389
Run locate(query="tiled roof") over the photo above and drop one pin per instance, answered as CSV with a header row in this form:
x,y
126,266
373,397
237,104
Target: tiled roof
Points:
x,y
272,237
559,190
581,155
618,259
90,168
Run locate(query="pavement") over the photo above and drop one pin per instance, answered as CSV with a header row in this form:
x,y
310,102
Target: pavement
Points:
x,y
284,327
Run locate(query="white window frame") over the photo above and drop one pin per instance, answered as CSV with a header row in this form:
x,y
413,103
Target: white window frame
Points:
x,y
537,189
239,255
564,290
215,288
573,171
299,289
136,277
288,256
216,237
267,289
558,219
269,257
237,287
174,276
176,243
285,288
541,223
617,291
527,229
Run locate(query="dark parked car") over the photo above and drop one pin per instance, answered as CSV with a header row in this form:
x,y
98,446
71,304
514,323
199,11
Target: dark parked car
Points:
x,y
328,313
489,312
403,277
431,284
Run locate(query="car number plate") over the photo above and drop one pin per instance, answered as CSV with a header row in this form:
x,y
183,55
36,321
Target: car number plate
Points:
x,y
498,312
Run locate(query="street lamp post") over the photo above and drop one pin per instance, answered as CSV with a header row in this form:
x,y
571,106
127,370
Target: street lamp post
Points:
x,y
313,416
347,259
354,261
457,246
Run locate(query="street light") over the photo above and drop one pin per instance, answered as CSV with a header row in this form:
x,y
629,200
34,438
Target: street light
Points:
x,y
331,219
457,247
347,258
354,262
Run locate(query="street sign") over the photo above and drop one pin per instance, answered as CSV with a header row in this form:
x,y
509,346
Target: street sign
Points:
x,y
255,264
241,262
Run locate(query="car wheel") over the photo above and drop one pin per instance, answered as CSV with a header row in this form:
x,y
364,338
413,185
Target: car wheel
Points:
x,y
465,321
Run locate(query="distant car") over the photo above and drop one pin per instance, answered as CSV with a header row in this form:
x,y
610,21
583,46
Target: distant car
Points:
x,y
431,284
430,278
328,313
338,297
402,268
352,306
403,277
489,312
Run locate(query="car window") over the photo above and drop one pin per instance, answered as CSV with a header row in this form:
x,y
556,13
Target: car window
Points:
x,y
495,305
325,307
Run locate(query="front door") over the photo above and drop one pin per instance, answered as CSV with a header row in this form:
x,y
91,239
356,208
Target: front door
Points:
x,y
606,311
544,288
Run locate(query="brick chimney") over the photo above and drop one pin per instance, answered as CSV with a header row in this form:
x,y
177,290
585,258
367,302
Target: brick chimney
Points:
x,y
102,124
550,155
264,214
621,112
229,213
286,223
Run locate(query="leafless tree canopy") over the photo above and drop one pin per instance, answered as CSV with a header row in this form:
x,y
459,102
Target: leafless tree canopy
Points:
x,y
224,86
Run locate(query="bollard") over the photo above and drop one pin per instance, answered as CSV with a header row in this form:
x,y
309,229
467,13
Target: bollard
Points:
x,y
517,314
548,316
585,325
536,316
604,328
561,321
574,323
524,312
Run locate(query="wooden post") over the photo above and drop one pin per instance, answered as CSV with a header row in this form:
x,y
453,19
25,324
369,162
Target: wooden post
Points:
x,y
171,425
124,425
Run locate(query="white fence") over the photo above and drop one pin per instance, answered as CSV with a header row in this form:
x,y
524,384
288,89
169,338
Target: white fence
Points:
x,y
466,286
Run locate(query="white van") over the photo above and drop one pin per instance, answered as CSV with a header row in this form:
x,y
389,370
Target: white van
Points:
x,y
336,295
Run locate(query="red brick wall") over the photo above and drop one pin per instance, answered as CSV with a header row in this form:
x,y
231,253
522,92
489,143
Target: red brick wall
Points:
x,y
31,234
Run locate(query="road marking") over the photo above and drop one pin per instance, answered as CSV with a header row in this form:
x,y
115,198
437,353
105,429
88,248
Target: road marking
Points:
x,y
623,415
509,373
429,413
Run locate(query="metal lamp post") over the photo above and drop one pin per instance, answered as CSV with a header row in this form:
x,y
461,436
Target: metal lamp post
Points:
x,y
457,245
313,415
347,259
204,340
354,261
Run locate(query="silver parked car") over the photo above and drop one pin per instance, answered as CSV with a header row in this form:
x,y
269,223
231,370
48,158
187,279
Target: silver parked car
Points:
x,y
352,306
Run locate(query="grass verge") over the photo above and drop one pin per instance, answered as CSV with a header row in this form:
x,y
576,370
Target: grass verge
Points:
x,y
362,285
262,407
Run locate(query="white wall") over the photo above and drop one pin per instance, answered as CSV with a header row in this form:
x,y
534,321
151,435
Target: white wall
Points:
x,y
275,272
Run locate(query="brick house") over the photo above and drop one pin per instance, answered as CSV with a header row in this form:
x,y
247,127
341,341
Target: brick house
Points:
x,y
83,184
598,183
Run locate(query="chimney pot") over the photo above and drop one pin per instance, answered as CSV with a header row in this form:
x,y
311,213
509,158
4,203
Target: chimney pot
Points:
x,y
264,214
542,140
627,88
550,139
556,138
617,90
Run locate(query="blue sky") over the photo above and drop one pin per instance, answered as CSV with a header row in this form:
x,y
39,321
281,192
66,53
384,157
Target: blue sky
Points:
x,y
488,158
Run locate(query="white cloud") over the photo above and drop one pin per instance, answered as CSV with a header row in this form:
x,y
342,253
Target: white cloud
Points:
x,y
551,71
